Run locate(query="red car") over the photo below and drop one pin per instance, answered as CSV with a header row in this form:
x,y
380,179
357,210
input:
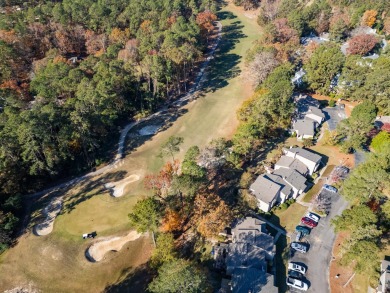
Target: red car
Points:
x,y
309,222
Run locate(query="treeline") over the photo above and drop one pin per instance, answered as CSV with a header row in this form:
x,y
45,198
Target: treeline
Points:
x,y
71,71
366,224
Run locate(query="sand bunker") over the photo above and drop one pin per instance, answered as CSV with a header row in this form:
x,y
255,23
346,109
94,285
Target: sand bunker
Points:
x,y
117,188
97,250
149,130
50,212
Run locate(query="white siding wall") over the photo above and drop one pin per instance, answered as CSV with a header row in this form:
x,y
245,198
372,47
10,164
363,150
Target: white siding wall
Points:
x,y
265,207
314,117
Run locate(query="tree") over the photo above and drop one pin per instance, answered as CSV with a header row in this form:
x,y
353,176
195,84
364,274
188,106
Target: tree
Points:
x,y
380,141
369,17
369,179
172,221
206,20
338,29
322,67
361,44
261,66
353,131
212,215
171,146
190,166
164,251
146,215
178,276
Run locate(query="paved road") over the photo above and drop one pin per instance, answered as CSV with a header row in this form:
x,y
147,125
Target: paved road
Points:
x,y
121,144
334,116
321,242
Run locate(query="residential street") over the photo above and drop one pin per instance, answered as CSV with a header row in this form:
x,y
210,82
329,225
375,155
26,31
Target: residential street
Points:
x,y
319,255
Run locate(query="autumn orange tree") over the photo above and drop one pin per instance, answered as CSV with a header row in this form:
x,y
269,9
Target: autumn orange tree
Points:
x,y
211,214
161,183
205,20
369,17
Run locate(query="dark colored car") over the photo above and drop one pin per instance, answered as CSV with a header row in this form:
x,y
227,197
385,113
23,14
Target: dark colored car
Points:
x,y
309,222
295,274
303,229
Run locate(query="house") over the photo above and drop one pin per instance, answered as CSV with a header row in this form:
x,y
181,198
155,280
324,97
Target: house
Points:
x,y
294,179
269,190
384,280
247,258
311,160
245,280
315,114
254,232
291,163
304,128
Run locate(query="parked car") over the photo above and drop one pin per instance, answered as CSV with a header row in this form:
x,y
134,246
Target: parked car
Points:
x,y
299,247
303,229
296,267
313,216
297,284
309,222
298,236
330,188
295,274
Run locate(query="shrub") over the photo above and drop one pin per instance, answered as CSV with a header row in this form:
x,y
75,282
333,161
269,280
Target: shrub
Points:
x,y
308,142
331,103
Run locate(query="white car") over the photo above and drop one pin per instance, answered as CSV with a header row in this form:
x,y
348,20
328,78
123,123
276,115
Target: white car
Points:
x,y
314,217
296,267
298,284
299,247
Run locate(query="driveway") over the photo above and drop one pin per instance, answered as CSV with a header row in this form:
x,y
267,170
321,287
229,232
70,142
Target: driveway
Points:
x,y
321,240
360,157
334,116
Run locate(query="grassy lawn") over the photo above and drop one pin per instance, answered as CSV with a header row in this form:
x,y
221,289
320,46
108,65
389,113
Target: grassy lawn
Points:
x,y
56,263
313,191
289,218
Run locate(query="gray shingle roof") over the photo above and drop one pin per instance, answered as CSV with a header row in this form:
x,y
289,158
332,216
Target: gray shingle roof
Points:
x,y
305,154
286,189
252,280
304,126
291,176
265,189
316,111
288,162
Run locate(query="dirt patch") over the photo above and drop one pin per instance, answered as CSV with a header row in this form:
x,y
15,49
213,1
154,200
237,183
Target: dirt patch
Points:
x,y
117,188
50,212
98,250
344,273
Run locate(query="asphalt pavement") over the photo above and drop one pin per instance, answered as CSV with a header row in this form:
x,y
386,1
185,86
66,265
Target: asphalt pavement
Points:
x,y
333,116
320,241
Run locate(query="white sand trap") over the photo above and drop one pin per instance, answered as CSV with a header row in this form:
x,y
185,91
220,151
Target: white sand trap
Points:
x,y
97,250
51,211
149,130
117,188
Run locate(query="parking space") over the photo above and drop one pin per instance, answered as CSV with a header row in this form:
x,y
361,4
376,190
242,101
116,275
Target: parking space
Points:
x,y
333,116
320,243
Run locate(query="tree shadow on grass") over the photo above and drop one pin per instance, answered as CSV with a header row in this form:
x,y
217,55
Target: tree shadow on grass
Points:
x,y
134,281
91,189
165,121
225,64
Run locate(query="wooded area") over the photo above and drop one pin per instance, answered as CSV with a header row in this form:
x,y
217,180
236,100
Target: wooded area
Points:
x,y
72,71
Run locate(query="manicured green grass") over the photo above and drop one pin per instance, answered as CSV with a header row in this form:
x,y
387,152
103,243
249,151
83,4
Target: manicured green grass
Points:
x,y
289,218
57,263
